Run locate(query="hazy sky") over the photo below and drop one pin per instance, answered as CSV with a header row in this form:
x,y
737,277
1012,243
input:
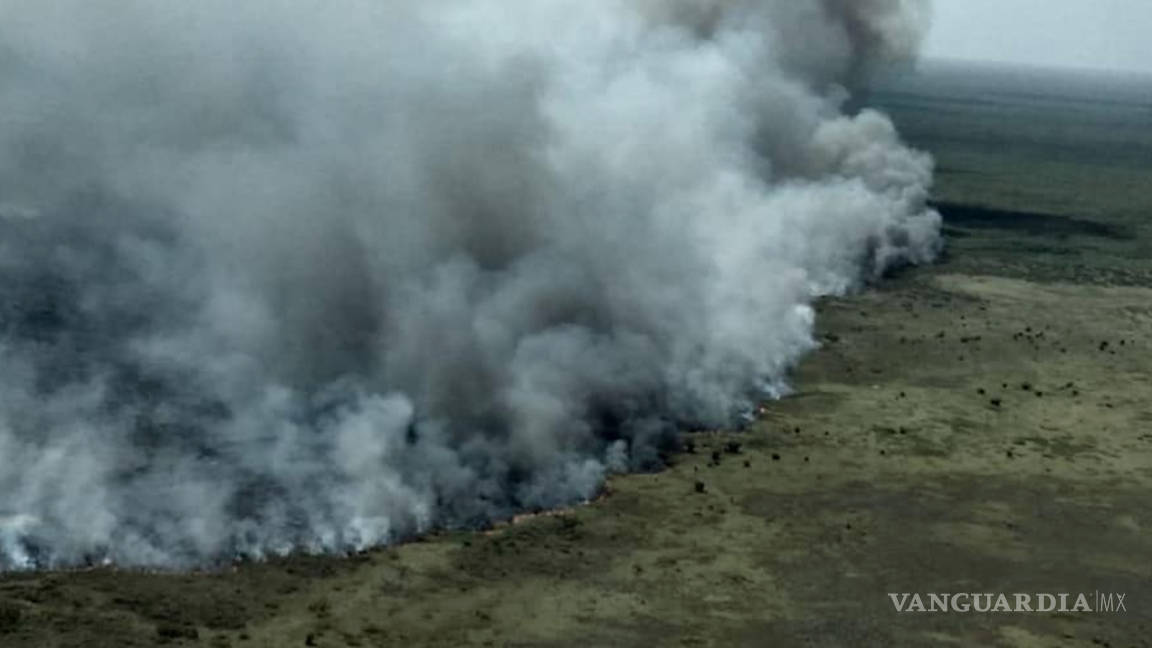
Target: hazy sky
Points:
x,y
1109,34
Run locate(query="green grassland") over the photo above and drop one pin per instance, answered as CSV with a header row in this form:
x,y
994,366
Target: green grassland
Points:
x,y
1065,157
983,425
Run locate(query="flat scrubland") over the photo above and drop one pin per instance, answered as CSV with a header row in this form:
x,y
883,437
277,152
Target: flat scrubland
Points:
x,y
982,425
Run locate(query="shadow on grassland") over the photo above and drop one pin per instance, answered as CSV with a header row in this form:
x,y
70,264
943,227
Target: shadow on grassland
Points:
x,y
1027,222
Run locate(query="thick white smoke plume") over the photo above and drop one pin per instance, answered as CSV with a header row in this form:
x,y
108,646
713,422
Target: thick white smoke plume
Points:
x,y
316,275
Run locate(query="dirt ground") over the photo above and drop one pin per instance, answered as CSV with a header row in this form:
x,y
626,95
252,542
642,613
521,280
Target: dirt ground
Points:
x,y
984,425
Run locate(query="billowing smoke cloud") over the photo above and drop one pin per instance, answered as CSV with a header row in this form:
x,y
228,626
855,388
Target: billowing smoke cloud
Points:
x,y
319,275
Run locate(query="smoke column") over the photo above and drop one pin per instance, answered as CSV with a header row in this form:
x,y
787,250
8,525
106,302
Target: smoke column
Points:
x,y
319,275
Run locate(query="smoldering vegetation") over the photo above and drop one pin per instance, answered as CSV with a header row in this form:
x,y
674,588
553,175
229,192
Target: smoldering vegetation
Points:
x,y
318,276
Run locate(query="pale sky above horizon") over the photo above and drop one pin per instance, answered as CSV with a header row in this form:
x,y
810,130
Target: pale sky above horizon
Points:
x,y
1099,34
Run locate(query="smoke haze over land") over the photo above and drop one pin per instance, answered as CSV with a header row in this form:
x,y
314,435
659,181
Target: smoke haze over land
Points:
x,y
1103,35
320,275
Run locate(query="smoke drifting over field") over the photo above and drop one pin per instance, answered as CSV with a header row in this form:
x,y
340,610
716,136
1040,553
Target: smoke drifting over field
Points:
x,y
318,275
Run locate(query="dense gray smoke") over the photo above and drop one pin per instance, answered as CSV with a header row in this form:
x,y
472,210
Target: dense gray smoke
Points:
x,y
318,275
